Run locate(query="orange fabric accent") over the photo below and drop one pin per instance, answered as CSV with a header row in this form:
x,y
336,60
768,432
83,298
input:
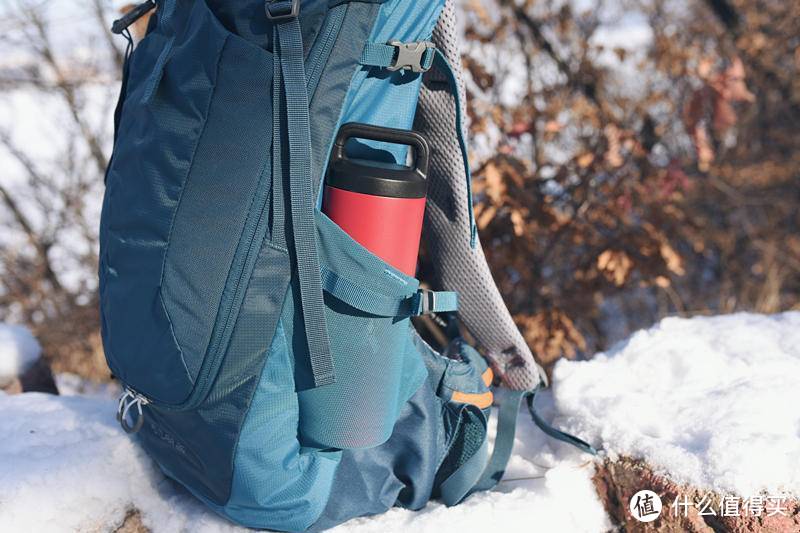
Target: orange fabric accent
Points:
x,y
487,377
481,401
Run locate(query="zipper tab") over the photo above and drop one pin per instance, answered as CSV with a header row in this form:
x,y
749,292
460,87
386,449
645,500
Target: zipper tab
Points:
x,y
128,399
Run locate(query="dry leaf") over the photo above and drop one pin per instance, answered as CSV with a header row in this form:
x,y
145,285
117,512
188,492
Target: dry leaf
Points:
x,y
615,266
519,223
585,160
672,259
495,188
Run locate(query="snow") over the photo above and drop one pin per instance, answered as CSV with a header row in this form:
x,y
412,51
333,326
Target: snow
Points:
x,y
70,453
706,401
69,384
711,402
19,350
547,487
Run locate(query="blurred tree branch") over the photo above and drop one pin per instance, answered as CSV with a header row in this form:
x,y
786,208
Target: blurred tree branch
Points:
x,y
50,190
603,208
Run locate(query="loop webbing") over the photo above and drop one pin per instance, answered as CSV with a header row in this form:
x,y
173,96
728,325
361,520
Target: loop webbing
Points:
x,y
165,13
370,301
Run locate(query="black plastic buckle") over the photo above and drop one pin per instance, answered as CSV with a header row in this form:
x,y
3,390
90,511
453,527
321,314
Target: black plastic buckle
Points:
x,y
282,10
411,55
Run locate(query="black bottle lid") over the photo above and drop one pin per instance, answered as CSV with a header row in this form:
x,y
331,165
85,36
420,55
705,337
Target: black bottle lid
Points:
x,y
379,178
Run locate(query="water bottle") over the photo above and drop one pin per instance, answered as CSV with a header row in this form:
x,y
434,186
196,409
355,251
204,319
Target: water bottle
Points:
x,y
380,205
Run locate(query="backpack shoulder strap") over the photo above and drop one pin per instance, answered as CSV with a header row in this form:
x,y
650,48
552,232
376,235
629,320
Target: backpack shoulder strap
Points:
x,y
460,266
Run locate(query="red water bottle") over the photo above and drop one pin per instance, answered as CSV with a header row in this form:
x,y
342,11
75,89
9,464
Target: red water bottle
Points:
x,y
380,205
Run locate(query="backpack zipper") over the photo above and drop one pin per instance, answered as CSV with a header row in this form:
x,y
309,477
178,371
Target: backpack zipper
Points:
x,y
254,225
318,56
127,400
323,46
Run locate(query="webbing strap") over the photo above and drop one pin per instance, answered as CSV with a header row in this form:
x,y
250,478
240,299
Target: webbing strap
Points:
x,y
289,44
509,401
377,55
373,302
426,301
506,431
557,433
278,205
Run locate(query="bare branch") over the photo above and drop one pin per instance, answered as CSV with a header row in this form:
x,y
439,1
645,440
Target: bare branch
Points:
x,y
100,11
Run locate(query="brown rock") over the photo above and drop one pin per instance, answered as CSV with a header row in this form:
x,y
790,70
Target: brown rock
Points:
x,y
132,523
617,481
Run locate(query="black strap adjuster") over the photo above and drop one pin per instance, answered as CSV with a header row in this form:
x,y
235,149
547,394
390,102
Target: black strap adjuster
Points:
x,y
282,10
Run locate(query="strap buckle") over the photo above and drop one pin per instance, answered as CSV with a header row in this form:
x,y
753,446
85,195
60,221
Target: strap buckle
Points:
x,y
414,56
427,301
282,10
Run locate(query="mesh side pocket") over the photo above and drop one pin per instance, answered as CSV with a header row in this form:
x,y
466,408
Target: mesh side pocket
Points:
x,y
464,443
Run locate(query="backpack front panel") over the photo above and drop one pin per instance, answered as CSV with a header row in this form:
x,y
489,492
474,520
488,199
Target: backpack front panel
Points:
x,y
199,174
152,164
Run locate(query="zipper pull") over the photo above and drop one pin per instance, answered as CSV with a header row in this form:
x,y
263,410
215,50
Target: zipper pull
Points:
x,y
128,399
122,23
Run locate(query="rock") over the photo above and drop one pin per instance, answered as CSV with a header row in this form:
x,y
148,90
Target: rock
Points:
x,y
37,378
132,523
618,480
22,367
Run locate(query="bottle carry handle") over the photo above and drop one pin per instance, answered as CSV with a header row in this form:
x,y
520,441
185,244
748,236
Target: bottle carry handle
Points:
x,y
355,130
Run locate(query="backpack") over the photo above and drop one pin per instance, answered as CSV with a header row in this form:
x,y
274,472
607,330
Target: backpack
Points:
x,y
268,360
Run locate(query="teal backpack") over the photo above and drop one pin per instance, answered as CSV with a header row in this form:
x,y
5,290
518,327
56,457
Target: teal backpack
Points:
x,y
269,361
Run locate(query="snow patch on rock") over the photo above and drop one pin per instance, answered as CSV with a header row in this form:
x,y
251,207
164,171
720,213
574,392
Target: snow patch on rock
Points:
x,y
19,350
70,384
708,401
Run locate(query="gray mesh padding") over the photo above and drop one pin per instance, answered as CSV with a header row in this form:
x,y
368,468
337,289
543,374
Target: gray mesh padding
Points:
x,y
457,267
